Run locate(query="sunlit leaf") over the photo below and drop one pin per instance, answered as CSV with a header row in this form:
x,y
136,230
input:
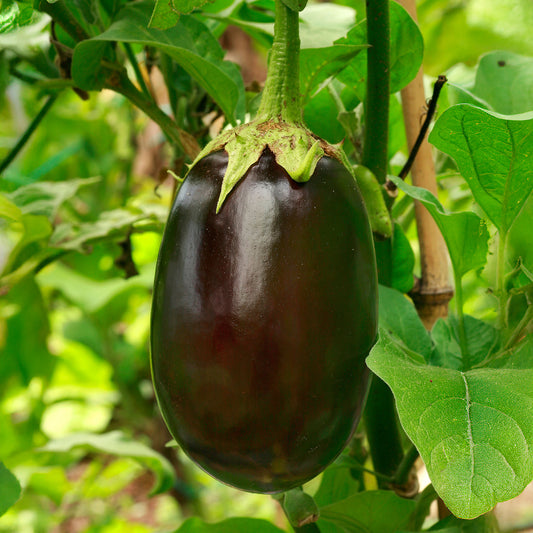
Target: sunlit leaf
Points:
x,y
493,153
116,443
503,80
45,197
474,430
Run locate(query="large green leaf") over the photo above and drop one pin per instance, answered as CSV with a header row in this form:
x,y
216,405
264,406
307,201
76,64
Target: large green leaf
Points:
x,y
366,512
407,50
9,489
493,153
189,43
231,525
504,81
116,443
465,234
474,430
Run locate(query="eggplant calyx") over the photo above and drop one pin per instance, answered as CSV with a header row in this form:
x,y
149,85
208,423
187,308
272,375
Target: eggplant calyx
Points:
x,y
295,148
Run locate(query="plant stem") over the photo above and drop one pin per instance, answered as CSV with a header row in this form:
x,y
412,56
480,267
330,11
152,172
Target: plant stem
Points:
x,y
375,148
463,343
380,413
135,65
404,469
29,130
382,431
120,83
500,278
281,96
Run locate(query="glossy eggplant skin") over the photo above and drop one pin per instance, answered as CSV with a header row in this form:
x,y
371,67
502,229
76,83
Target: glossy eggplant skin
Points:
x,y
262,317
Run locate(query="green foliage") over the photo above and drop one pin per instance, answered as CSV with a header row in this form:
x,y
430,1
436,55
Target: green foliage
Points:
x,y
189,42
79,430
115,443
9,489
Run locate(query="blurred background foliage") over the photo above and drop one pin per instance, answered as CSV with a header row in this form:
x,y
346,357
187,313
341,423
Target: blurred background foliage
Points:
x,y
78,421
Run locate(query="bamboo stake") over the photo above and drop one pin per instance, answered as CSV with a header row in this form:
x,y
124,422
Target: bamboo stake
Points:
x,y
433,291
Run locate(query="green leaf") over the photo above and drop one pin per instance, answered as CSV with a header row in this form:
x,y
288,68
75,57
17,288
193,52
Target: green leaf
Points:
x,y
337,484
88,294
111,225
23,352
474,430
45,197
116,443
407,50
493,154
503,80
167,12
519,357
189,43
369,511
319,64
465,234
231,525
14,15
398,315
9,210
9,489
321,112
482,339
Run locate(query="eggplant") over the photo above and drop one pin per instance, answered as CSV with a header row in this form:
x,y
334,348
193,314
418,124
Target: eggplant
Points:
x,y
263,315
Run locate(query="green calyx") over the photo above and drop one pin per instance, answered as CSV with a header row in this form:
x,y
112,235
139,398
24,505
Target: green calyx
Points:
x,y
295,148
